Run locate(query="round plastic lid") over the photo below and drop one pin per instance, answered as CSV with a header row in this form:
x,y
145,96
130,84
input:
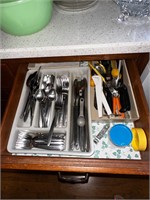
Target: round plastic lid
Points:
x,y
120,135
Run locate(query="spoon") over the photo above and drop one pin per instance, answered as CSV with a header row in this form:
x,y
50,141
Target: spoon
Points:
x,y
81,124
40,96
32,80
43,85
45,78
47,89
51,96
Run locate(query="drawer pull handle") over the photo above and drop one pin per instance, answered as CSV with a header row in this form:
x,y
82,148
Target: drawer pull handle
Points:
x,y
73,178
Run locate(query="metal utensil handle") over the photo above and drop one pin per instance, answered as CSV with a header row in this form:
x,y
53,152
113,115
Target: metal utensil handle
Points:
x,y
26,106
54,147
62,114
81,107
76,128
51,130
82,139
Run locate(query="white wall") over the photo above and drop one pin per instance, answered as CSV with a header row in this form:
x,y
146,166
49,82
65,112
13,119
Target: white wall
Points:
x,y
145,78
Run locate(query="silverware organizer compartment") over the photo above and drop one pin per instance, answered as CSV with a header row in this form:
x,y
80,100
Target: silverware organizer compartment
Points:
x,y
131,116
80,130
24,130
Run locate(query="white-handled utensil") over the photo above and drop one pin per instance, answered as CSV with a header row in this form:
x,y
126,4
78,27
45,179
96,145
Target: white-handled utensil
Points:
x,y
100,97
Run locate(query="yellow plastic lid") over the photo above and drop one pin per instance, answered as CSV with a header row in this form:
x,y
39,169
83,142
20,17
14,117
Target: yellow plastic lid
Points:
x,y
139,141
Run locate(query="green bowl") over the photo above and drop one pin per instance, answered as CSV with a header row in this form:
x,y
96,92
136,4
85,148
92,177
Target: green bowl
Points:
x,y
24,17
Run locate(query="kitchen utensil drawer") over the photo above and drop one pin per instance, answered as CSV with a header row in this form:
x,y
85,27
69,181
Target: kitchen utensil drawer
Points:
x,y
62,81
53,103
70,164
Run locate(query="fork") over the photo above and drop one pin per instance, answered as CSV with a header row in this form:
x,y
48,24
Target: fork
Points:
x,y
29,140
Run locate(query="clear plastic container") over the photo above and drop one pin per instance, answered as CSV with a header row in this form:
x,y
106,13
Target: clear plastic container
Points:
x,y
135,11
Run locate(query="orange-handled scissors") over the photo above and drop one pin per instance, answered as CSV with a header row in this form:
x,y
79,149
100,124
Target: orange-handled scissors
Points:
x,y
117,107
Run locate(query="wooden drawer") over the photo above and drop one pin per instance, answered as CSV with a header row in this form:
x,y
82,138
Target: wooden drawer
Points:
x,y
45,185
77,164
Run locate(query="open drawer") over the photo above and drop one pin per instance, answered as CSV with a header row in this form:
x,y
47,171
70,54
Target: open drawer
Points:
x,y
70,164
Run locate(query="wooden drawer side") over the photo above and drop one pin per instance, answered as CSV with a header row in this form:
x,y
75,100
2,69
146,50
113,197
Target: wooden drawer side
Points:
x,y
142,105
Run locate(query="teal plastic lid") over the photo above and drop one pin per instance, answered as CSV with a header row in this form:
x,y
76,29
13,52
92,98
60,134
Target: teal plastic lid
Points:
x,y
120,135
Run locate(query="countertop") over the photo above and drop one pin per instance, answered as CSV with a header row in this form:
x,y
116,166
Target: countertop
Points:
x,y
91,32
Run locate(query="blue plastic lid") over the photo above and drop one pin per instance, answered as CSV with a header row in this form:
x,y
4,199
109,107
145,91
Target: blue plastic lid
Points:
x,y
120,135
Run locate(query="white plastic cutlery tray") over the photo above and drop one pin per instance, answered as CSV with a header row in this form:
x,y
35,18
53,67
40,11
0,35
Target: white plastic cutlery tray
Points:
x,y
35,127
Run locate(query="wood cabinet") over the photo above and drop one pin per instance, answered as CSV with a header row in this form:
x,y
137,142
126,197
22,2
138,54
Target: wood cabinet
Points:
x,y
77,164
